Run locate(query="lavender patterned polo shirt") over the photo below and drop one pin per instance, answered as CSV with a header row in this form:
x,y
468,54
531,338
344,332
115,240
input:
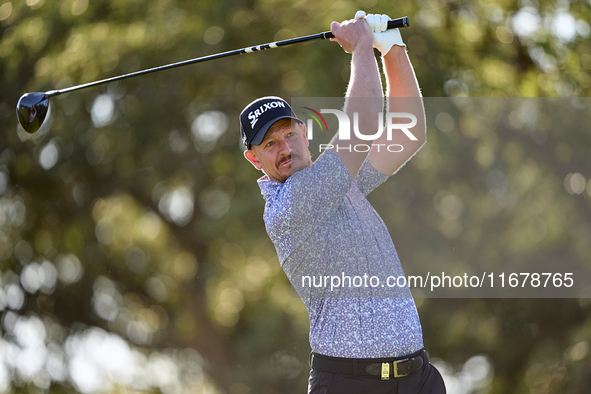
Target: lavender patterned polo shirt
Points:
x,y
323,227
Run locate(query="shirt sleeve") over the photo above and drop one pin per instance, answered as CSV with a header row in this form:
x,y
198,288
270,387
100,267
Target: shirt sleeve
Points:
x,y
368,178
306,200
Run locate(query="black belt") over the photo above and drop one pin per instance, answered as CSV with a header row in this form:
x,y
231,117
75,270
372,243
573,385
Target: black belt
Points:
x,y
396,367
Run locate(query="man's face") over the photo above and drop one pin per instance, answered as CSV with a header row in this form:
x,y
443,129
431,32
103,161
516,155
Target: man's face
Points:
x,y
283,152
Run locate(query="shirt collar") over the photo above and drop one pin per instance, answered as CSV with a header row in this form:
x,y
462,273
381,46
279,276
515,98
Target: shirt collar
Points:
x,y
268,187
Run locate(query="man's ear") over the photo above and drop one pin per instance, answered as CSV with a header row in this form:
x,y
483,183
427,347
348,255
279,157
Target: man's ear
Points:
x,y
303,130
251,156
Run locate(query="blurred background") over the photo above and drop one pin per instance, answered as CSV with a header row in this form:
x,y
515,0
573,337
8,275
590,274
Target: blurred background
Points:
x,y
133,255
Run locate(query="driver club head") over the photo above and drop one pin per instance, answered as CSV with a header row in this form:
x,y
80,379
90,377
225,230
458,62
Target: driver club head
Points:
x,y
32,110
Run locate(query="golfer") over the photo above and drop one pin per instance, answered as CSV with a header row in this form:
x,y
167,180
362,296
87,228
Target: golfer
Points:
x,y
316,213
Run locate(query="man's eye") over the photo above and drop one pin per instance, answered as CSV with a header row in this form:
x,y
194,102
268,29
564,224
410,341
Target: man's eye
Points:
x,y
290,134
269,143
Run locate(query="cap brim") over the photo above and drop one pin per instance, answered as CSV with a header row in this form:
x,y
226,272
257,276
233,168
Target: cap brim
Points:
x,y
260,135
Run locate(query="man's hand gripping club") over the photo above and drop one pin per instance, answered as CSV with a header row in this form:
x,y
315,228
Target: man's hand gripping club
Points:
x,y
383,39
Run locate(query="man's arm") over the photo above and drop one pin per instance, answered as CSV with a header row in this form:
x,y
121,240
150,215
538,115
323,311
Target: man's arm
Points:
x,y
356,38
404,95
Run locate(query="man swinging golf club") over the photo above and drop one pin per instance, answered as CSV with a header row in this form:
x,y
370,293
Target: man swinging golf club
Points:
x,y
319,219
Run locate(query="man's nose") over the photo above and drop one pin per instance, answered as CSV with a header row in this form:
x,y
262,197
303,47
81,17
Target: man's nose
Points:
x,y
285,146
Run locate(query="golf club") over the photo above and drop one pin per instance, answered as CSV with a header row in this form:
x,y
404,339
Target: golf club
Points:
x,y
32,107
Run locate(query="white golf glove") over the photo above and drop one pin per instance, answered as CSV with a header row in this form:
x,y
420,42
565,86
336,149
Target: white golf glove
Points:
x,y
383,39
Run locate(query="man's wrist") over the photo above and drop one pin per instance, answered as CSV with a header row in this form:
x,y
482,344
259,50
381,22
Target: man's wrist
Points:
x,y
395,55
364,46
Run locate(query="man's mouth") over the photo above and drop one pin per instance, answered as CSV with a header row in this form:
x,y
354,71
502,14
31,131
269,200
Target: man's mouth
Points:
x,y
286,161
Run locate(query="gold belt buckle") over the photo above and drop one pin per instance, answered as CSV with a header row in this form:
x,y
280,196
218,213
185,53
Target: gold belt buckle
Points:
x,y
395,366
386,371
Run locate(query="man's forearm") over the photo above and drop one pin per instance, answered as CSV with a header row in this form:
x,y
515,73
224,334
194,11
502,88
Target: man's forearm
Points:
x,y
400,75
364,94
402,82
404,96
365,77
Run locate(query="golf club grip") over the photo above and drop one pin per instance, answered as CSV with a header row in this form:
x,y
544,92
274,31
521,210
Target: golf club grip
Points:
x,y
392,24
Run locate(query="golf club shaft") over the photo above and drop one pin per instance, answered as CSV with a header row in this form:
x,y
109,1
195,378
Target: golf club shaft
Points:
x,y
392,24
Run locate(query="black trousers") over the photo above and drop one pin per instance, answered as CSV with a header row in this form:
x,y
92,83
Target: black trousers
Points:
x,y
426,380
